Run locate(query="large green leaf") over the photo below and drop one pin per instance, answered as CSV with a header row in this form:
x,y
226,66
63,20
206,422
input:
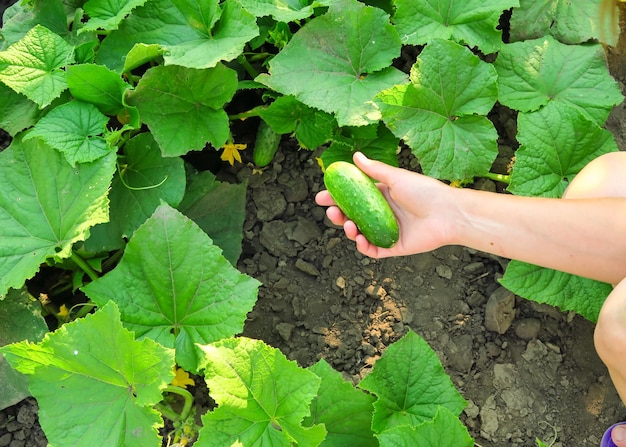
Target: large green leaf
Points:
x,y
193,33
565,291
20,319
441,113
262,397
16,111
345,411
444,430
311,127
34,65
348,54
375,141
535,72
98,85
183,107
107,14
410,384
46,206
471,22
569,21
283,10
75,129
144,180
219,208
557,141
21,17
174,286
95,384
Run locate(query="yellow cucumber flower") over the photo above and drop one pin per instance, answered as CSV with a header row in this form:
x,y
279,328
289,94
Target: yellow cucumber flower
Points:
x,y
231,152
182,379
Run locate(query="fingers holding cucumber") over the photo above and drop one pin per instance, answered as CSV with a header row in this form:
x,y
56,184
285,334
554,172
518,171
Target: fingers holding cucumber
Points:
x,y
361,202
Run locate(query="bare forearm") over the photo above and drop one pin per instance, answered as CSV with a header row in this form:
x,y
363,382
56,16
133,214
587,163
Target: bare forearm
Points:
x,y
586,237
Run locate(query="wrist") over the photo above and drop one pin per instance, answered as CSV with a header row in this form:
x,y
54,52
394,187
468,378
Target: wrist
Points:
x,y
470,217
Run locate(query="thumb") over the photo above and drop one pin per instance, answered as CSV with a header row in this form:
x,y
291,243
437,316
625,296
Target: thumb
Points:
x,y
375,169
619,435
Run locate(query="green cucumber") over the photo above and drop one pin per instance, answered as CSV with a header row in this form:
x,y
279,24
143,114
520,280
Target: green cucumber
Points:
x,y
363,203
266,145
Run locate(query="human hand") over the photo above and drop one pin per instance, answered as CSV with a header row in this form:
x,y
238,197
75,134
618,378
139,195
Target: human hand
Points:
x,y
618,435
422,205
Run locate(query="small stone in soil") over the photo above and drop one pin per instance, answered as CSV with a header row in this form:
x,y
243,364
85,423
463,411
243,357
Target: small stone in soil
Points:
x,y
500,311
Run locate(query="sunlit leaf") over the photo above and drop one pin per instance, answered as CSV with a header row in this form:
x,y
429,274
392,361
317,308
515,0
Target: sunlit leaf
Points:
x,y
341,79
441,114
194,34
108,382
46,206
75,129
175,287
471,22
262,397
410,385
565,291
535,72
557,141
33,65
184,107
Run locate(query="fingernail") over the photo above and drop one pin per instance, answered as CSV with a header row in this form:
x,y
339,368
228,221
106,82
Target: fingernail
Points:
x,y
619,433
360,156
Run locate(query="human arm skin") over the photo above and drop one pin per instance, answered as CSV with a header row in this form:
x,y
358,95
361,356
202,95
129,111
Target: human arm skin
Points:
x,y
583,236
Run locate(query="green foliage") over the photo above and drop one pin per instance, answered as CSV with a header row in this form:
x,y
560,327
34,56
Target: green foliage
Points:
x,y
569,292
545,166
262,397
174,286
410,387
184,107
345,410
471,22
108,381
33,65
440,113
75,130
46,206
339,79
104,99
442,431
20,319
570,22
533,73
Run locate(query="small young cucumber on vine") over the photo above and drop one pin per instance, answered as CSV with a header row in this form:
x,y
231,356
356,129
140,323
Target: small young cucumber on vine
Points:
x,y
266,145
362,202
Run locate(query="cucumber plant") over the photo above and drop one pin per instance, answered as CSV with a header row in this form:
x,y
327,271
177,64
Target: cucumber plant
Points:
x,y
103,102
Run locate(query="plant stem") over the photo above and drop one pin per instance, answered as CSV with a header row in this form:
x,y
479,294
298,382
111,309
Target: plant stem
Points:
x,y
497,177
259,56
247,66
256,111
184,414
80,262
168,412
85,308
112,259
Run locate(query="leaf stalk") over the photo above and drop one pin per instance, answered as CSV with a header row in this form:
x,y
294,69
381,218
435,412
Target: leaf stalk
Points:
x,y
497,177
188,403
84,266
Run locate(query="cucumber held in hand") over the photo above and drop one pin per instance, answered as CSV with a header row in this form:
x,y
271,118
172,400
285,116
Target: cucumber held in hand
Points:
x,y
362,202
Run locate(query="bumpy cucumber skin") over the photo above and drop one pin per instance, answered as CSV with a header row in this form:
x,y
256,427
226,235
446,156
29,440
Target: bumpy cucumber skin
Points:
x,y
363,203
265,146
